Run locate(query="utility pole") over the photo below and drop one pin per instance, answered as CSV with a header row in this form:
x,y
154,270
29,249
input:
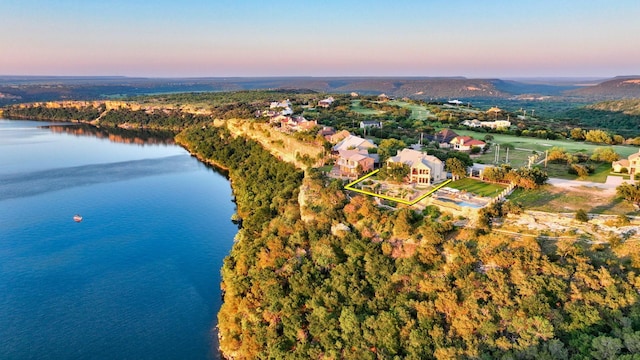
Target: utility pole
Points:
x,y
546,156
506,160
496,159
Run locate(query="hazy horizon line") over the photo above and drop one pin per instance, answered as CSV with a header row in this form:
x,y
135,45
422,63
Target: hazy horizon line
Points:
x,y
509,77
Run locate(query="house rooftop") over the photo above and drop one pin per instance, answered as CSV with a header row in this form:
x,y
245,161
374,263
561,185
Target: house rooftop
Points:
x,y
446,135
355,142
411,157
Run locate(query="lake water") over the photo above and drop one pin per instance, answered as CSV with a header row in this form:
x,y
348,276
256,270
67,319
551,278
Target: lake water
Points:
x,y
139,277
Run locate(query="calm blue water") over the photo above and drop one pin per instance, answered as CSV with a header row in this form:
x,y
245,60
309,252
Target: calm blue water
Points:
x,y
138,278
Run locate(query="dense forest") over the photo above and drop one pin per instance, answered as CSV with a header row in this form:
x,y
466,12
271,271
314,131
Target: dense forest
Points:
x,y
158,119
356,281
86,113
618,122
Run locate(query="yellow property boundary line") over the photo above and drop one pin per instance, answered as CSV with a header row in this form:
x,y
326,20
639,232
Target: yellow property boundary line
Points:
x,y
401,201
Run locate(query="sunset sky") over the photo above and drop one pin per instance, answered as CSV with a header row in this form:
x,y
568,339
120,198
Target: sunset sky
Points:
x,y
493,38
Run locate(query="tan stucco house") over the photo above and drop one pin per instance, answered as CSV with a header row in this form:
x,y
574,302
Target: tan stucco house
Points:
x,y
632,164
424,169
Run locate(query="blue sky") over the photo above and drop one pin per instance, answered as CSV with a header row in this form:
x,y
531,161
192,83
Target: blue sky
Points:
x,y
320,38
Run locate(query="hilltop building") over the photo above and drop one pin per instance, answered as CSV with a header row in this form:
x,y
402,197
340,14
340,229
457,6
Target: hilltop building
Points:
x,y
355,162
325,103
352,142
284,105
443,137
497,124
466,143
370,124
631,164
424,169
337,137
353,156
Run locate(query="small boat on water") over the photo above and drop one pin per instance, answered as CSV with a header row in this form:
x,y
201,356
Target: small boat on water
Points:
x,y
77,218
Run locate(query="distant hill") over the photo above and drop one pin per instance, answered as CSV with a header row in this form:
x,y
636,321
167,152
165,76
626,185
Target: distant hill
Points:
x,y
622,87
626,106
523,87
620,116
420,88
28,89
16,89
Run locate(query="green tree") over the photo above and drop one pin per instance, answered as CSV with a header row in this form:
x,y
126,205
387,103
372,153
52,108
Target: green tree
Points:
x,y
605,347
605,155
557,154
582,215
577,134
495,173
618,139
456,168
389,148
629,192
579,170
395,172
527,178
462,156
598,136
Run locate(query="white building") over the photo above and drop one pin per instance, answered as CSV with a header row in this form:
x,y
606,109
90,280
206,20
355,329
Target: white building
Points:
x,y
424,169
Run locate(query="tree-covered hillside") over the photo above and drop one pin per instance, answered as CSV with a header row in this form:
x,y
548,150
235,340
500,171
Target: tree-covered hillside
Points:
x,y
315,273
402,284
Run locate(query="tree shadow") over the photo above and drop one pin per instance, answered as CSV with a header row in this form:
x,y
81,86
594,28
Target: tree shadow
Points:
x,y
607,207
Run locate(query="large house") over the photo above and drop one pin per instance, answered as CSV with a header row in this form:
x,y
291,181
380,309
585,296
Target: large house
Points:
x,y
325,103
339,136
631,164
296,123
497,124
353,142
354,162
466,143
424,169
444,137
475,123
370,124
353,155
284,105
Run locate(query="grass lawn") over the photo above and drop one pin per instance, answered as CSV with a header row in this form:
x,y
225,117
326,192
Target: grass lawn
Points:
x,y
552,199
517,158
540,145
418,112
477,187
358,108
561,171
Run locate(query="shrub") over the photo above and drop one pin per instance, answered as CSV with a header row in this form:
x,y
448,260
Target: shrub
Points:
x,y
582,215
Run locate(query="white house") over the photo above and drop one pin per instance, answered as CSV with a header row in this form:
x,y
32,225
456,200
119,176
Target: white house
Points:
x,y
284,105
497,124
475,123
370,124
325,103
465,143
